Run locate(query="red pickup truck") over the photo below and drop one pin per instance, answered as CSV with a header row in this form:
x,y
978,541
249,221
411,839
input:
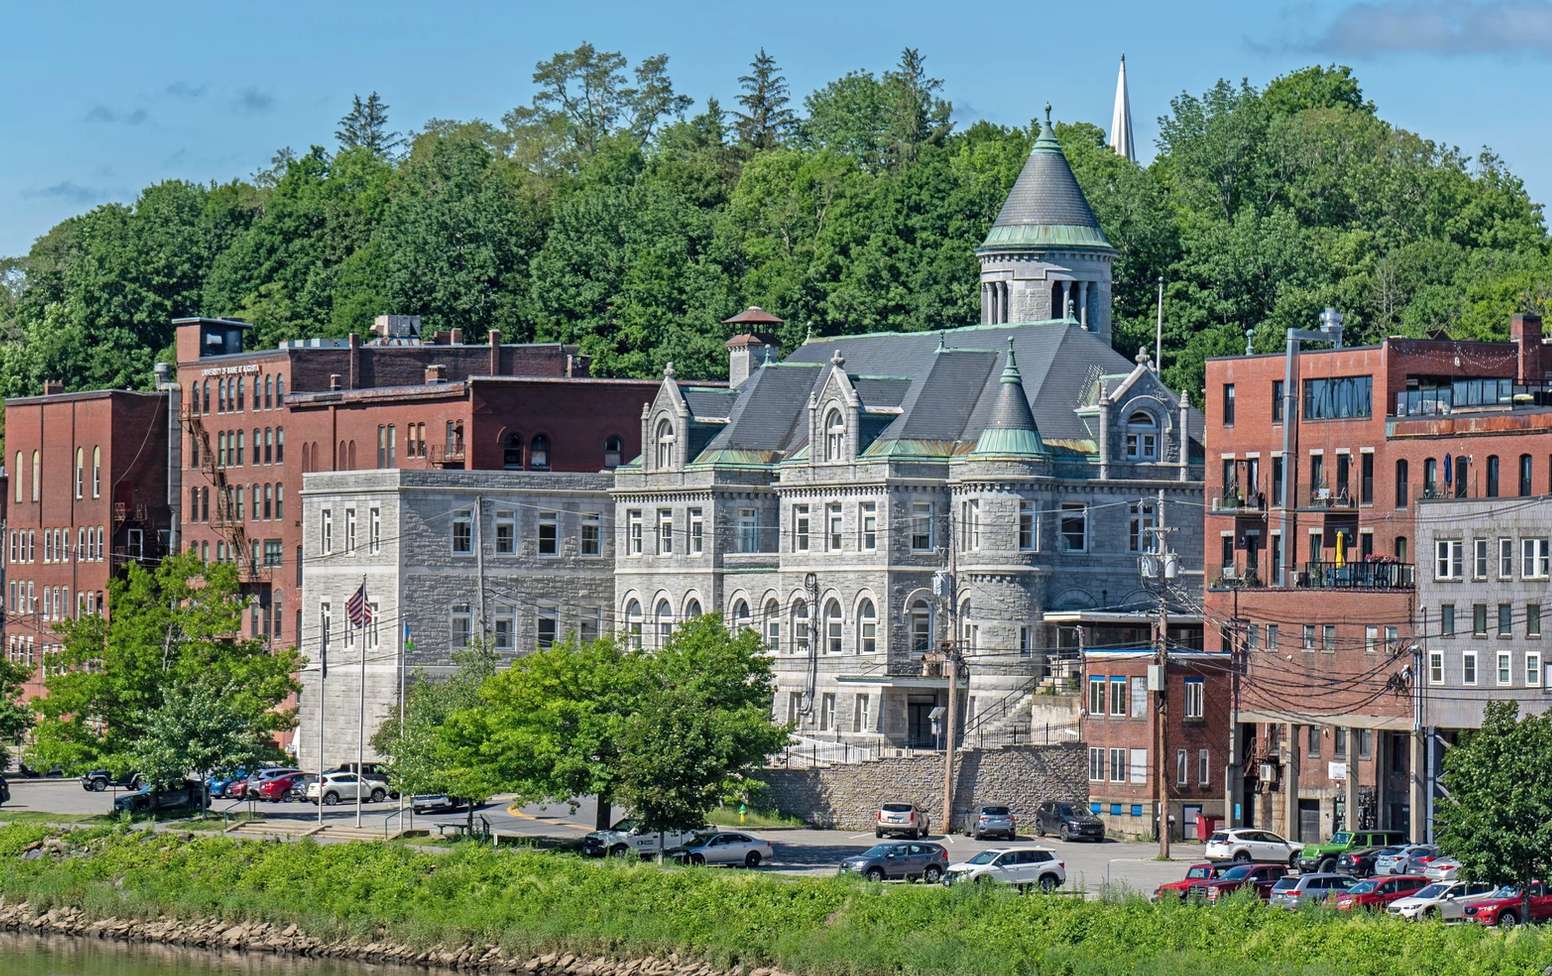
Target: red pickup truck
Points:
x,y
1506,906
1196,876
1257,877
1373,894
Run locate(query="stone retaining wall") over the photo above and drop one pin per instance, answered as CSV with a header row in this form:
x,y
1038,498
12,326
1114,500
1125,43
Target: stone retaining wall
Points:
x,y
846,797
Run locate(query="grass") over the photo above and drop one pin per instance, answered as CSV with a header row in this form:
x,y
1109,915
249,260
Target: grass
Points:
x,y
43,817
753,818
529,901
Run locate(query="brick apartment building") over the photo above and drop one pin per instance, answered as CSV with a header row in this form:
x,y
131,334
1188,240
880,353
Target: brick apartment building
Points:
x,y
1318,591
86,495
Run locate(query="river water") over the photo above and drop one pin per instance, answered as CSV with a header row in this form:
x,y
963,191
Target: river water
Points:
x,y
31,955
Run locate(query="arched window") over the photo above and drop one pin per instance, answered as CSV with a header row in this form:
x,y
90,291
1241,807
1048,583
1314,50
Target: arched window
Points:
x,y
867,628
280,445
512,452
269,501
614,447
258,508
665,444
237,384
740,614
97,472
341,465
194,397
921,627
205,398
307,458
834,627
280,390
800,627
664,618
1525,475
1430,477
352,455
692,609
269,446
269,391
835,435
968,631
280,501
1492,476
258,404
17,492
633,624
80,470
1142,437
37,476
772,615
539,453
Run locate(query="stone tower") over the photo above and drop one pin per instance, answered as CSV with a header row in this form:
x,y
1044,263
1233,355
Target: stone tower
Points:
x,y
1046,257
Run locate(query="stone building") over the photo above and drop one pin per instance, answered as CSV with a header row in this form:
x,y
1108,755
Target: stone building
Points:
x,y
872,497
521,557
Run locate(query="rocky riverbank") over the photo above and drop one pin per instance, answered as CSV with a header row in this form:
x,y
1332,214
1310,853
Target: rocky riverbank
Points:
x,y
262,937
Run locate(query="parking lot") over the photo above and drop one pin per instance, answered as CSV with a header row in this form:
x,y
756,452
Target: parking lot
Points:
x,y
1090,867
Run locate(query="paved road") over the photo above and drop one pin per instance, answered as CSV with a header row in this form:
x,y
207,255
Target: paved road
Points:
x,y
1090,867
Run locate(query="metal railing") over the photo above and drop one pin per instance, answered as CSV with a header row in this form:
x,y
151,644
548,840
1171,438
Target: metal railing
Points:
x,y
1325,498
1358,574
812,753
1234,500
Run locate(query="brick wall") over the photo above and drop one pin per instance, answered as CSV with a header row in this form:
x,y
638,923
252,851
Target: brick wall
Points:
x,y
846,797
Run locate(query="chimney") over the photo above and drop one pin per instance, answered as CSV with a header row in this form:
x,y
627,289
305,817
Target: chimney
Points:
x,y
493,339
1525,332
355,361
53,387
747,353
436,373
456,337
334,381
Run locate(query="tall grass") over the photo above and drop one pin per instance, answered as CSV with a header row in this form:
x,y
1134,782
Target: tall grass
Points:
x,y
529,901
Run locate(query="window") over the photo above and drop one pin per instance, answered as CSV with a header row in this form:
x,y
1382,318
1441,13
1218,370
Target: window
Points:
x,y
921,526
1182,767
834,627
867,526
272,552
800,528
1505,558
350,530
1505,668
1195,698
1312,740
633,624
461,626
1535,557
633,533
1525,474
1309,637
1402,493
325,626
1436,667
1143,520
1371,639
1366,478
1139,769
835,435
1118,696
1447,620
1271,638
800,627
463,533
326,531
867,628
697,544
1533,669
614,451
827,710
1532,620
280,445
1328,638
1277,479
665,531
374,530
1118,765
37,475
1479,559
1204,767
1027,538
548,623
1075,527
1492,476
1096,764
539,453
664,621
772,615
592,534
1096,696
505,627
748,531
1228,404
1505,620
1026,640
861,720
1142,437
1447,559
549,533
1337,398
1479,620
833,535
665,444
970,525
921,627
80,470
512,452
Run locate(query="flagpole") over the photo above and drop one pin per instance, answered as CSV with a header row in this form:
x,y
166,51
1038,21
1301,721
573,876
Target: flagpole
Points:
x,y
361,715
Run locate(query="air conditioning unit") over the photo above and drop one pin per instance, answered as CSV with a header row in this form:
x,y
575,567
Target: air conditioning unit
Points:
x,y
1267,772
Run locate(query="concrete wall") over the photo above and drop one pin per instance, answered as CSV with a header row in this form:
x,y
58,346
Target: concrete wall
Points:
x,y
847,797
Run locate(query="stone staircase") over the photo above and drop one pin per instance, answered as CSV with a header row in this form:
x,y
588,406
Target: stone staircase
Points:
x,y
297,829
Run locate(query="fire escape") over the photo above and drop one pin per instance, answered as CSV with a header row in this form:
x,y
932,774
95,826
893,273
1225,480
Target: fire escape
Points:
x,y
249,566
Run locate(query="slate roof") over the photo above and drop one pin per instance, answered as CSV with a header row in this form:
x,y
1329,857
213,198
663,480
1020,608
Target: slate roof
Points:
x,y
1046,208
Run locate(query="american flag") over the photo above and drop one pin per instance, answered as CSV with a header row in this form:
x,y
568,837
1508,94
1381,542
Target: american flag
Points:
x,y
357,610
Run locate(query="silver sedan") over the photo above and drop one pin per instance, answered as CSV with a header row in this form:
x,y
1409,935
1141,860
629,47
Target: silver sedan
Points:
x,y
726,847
1411,859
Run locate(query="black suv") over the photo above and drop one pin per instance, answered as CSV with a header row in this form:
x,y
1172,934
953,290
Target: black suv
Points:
x,y
191,793
1069,821
100,779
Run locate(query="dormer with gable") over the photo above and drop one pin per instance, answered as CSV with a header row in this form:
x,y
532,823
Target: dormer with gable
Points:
x,y
665,425
1141,424
835,418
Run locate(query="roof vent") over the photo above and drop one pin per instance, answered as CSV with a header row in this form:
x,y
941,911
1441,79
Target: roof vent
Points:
x,y
436,373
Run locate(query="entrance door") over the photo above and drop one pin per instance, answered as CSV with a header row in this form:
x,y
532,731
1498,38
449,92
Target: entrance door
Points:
x,y
1309,821
918,716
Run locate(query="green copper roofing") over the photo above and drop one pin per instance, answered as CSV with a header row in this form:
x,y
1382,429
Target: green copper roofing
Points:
x,y
1010,430
1046,207
909,449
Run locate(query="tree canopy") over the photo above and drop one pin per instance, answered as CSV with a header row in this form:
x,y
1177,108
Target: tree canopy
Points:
x,y
608,212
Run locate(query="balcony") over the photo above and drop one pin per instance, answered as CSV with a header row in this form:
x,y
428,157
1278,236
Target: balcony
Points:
x,y
1361,574
1233,501
1244,577
1322,498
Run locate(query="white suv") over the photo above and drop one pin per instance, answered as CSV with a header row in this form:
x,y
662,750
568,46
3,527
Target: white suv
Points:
x,y
1446,900
1022,867
1244,844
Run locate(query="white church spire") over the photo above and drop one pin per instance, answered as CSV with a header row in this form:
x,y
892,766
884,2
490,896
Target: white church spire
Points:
x,y
1121,118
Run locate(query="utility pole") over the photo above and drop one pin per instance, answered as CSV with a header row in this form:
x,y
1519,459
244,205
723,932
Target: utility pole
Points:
x,y
1160,566
1233,778
951,668
360,716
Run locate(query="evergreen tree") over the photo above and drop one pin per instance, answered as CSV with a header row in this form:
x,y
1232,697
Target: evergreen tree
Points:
x,y
365,126
917,116
766,122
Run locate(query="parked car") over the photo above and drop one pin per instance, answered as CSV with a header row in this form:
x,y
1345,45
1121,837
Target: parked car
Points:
x,y
899,859
729,847
994,820
277,788
901,818
190,793
1192,885
5,791
1306,889
299,784
1360,863
629,837
1442,869
1022,867
1245,844
218,782
1254,877
1373,894
1069,821
101,779
345,786
1322,858
27,772
435,803
1407,859
1505,907
1447,900
371,770
249,789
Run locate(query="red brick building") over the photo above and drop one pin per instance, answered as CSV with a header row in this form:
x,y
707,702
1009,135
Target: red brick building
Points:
x,y
86,496
1316,590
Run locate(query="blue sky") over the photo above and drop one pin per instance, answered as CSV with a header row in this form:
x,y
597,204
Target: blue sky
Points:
x,y
99,99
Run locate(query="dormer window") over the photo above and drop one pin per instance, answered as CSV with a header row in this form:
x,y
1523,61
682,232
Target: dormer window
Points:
x,y
665,444
1142,437
614,447
539,453
835,435
512,452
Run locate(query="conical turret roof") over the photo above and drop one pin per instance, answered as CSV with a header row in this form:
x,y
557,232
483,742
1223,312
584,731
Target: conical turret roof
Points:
x,y
1046,207
1010,430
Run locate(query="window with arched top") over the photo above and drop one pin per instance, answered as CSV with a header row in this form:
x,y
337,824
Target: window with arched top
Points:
x,y
692,609
969,631
204,400
97,471
17,491
37,476
1142,437
539,453
834,627
512,452
614,449
633,624
280,390
835,435
799,627
194,397
269,391
740,614
867,628
772,618
80,470
664,440
921,627
664,619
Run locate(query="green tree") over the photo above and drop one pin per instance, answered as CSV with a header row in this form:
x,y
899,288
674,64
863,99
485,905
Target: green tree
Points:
x,y
15,717
199,728
850,116
365,126
766,120
1496,817
172,626
917,115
